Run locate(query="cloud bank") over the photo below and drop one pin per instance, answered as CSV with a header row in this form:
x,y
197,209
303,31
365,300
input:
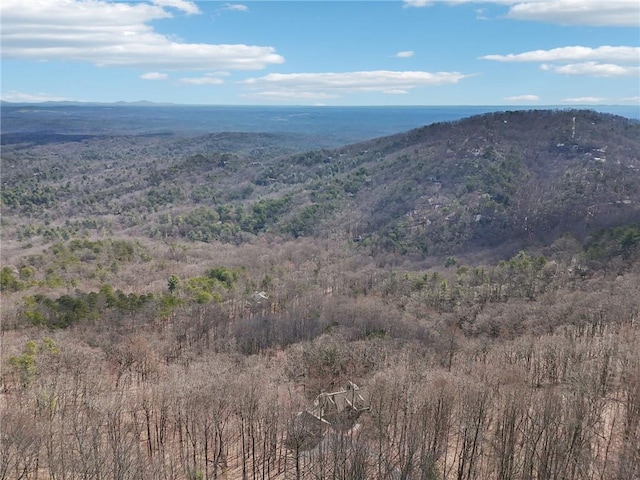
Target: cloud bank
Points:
x,y
619,13
235,7
154,76
605,61
593,69
583,100
574,53
331,85
116,34
523,98
209,79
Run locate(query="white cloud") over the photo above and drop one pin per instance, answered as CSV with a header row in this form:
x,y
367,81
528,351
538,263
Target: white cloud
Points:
x,y
154,76
115,34
480,14
573,53
20,97
523,98
604,61
580,12
428,3
631,100
584,100
593,69
235,7
186,6
417,3
381,81
289,95
405,54
209,79
623,13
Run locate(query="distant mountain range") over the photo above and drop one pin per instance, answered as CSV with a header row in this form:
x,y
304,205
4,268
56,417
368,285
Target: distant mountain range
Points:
x,y
625,110
69,103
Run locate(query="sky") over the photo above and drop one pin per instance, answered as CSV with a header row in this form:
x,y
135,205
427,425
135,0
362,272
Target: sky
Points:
x,y
261,52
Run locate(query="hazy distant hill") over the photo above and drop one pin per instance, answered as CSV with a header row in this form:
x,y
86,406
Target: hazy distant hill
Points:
x,y
327,126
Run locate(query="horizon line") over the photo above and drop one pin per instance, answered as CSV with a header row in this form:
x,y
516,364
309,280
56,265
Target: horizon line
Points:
x,y
152,103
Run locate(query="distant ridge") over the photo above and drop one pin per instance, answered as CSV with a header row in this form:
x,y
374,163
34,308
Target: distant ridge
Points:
x,y
630,111
141,103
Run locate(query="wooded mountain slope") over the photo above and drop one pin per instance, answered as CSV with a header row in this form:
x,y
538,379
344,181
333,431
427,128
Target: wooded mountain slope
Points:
x,y
511,177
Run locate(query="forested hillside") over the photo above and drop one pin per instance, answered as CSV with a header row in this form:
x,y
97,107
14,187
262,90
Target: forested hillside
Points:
x,y
521,177
172,305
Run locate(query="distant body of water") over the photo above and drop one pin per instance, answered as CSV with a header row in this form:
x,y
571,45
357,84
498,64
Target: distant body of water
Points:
x,y
342,124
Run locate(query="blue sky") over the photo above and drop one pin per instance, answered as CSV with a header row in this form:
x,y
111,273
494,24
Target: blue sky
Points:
x,y
411,52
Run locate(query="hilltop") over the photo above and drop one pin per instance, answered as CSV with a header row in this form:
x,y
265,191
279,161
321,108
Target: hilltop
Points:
x,y
514,176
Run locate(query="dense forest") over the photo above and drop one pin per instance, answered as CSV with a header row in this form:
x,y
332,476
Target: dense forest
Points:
x,y
182,307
